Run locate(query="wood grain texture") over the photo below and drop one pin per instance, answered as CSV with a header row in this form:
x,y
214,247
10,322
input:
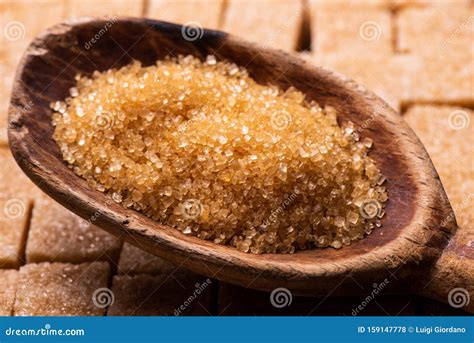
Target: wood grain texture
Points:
x,y
415,230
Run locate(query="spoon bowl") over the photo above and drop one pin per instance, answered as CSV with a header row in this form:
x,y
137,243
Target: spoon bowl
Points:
x,y
418,222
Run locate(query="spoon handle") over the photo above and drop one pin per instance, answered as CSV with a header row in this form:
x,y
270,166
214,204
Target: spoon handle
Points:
x,y
451,278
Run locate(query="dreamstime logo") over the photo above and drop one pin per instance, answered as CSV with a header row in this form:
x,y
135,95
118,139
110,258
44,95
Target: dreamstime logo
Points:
x,y
25,108
14,31
458,32
104,120
14,208
459,120
377,288
94,216
280,120
281,29
273,217
369,31
24,288
465,204
47,330
199,289
191,209
458,297
100,33
103,297
365,124
370,209
281,297
192,31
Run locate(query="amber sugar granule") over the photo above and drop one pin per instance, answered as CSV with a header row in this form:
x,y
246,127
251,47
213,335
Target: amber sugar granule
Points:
x,y
200,146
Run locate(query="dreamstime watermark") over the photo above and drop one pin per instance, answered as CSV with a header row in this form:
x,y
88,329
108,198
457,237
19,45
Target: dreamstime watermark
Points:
x,y
14,208
24,288
377,288
281,29
104,120
459,120
108,24
370,31
191,31
22,109
199,289
465,26
463,206
370,209
365,124
459,297
47,330
280,120
90,221
273,217
370,119
103,297
14,31
191,209
281,297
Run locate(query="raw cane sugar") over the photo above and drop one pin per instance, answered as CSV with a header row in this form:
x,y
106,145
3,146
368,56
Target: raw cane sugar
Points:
x,y
200,146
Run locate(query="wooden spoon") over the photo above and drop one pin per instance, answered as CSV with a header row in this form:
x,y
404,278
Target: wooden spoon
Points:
x,y
419,221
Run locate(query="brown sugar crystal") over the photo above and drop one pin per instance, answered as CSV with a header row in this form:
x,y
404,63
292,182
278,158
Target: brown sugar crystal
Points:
x,y
200,146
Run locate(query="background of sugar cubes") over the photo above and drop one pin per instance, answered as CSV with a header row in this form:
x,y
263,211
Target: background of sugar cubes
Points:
x,y
416,54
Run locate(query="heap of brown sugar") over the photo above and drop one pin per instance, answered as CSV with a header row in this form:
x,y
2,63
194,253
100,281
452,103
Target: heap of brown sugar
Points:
x,y
200,146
